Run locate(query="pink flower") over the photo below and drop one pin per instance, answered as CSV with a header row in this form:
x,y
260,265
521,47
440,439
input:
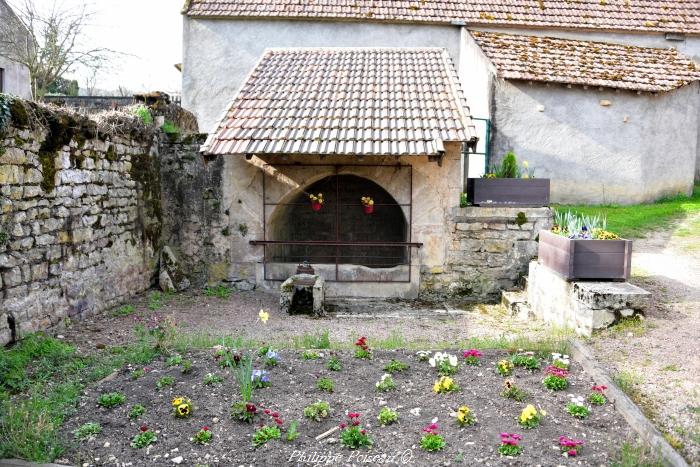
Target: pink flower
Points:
x,y
600,388
472,353
275,414
343,426
554,371
354,415
278,421
205,428
364,432
571,452
267,411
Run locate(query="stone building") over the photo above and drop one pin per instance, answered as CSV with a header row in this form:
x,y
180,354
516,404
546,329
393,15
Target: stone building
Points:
x,y
639,145
14,77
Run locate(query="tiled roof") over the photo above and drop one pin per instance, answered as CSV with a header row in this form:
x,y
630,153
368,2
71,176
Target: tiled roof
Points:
x,y
358,101
586,63
635,15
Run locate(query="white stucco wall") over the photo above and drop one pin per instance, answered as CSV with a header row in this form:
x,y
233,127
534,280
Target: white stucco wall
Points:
x,y
219,54
16,79
637,149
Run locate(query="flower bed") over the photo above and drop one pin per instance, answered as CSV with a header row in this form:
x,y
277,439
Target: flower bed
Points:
x,y
471,421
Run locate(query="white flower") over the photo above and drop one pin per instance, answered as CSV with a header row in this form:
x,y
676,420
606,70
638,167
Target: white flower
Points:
x,y
453,360
432,361
434,420
555,356
577,400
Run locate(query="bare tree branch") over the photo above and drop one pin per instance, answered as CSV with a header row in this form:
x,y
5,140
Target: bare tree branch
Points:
x,y
48,42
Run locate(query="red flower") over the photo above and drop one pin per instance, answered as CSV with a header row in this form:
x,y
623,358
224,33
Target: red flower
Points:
x,y
364,432
278,421
250,408
267,411
354,415
275,414
343,426
144,428
572,453
355,422
205,428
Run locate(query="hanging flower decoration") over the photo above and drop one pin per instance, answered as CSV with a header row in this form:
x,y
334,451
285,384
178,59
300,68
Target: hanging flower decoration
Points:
x,y
316,201
367,204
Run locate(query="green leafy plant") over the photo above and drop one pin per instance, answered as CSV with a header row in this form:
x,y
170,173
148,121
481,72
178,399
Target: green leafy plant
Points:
x,y
530,417
244,411
556,378
111,399
87,431
155,301
220,291
353,436
292,432
144,113
597,396
124,310
165,381
317,340
211,379
527,361
577,408
317,410
265,434
334,364
445,384
174,360
203,436
395,366
170,128
463,200
432,441
243,374
386,383
511,391
504,367
325,384
509,445
186,367
146,437
310,355
136,411
138,373
362,351
387,416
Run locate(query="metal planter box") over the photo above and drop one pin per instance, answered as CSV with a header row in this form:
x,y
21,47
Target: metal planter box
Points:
x,y
525,192
576,259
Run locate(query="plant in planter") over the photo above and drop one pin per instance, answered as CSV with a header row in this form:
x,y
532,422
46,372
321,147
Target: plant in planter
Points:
x,y
432,441
570,447
509,184
352,435
580,247
597,397
316,201
509,445
367,204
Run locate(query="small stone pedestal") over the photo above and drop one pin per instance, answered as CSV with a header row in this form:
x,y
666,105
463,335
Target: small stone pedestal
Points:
x,y
582,305
303,293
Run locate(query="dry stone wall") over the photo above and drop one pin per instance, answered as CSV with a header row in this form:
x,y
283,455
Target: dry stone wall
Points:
x,y
80,216
490,251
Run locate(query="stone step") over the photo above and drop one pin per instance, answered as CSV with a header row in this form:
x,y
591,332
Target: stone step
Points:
x,y
515,304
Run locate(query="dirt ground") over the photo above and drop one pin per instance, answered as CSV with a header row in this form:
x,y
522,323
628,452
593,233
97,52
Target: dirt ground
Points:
x,y
660,357
294,387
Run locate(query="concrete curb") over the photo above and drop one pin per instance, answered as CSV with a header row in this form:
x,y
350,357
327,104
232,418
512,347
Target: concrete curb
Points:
x,y
22,463
624,405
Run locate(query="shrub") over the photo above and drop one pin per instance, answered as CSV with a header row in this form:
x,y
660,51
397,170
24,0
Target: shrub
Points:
x,y
317,410
87,430
334,364
325,384
136,411
265,434
395,366
387,416
111,399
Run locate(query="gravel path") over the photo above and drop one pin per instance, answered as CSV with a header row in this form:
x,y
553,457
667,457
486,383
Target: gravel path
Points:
x,y
661,357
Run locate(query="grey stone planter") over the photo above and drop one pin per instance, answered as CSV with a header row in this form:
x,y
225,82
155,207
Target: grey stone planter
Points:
x,y
515,192
585,259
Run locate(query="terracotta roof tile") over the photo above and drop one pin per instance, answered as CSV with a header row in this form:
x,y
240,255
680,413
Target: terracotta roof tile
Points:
x,y
586,63
364,101
636,15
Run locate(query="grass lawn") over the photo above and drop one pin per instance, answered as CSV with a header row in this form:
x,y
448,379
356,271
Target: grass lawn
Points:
x,y
636,220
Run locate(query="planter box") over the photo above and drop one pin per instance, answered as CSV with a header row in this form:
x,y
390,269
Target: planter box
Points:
x,y
585,259
525,192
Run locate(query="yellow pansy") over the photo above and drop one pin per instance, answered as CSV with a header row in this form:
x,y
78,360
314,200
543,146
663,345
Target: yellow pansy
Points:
x,y
178,401
436,386
263,316
183,409
527,413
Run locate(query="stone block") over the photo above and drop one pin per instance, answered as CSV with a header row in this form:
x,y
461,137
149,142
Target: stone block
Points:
x,y
584,306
